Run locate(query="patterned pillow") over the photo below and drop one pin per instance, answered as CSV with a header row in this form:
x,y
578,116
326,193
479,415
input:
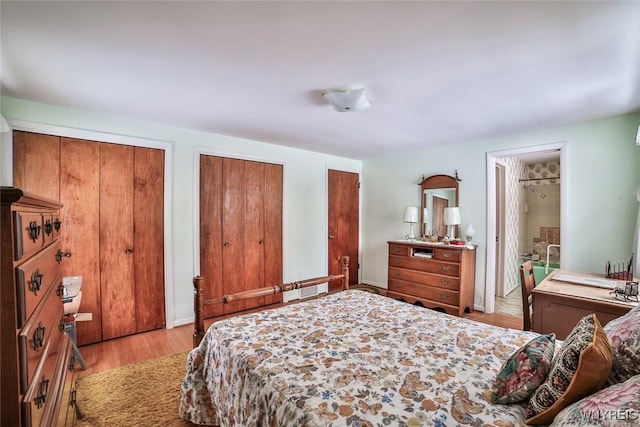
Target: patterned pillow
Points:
x,y
617,405
624,337
524,371
579,369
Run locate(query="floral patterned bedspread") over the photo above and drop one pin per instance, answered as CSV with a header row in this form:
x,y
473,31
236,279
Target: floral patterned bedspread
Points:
x,y
348,359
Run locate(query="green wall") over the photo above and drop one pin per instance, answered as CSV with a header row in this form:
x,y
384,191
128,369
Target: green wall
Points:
x,y
602,171
305,189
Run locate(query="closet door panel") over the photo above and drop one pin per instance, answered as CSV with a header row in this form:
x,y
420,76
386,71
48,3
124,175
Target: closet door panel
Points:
x,y
36,164
148,225
116,241
233,223
273,228
211,244
79,184
254,229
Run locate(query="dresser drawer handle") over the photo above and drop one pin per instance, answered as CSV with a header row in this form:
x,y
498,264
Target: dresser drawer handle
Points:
x,y
48,227
396,261
446,254
36,281
56,224
38,337
34,230
444,295
444,281
397,250
445,268
43,391
396,273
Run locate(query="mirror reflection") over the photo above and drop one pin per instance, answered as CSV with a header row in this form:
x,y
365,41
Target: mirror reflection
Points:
x,y
438,192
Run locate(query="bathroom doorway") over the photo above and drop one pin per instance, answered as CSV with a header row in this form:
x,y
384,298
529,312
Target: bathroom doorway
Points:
x,y
525,215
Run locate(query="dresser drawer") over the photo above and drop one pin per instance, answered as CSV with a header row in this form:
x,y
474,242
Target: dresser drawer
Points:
x,y
39,405
41,330
426,265
430,279
438,295
447,255
399,250
28,233
34,278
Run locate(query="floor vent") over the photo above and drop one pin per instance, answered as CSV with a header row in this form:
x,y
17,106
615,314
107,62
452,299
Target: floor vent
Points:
x,y
309,292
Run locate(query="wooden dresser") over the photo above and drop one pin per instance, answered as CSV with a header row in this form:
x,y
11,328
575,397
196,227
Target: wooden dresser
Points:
x,y
36,369
436,276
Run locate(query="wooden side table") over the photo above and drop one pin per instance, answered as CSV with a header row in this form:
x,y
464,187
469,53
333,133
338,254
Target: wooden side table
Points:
x,y
559,305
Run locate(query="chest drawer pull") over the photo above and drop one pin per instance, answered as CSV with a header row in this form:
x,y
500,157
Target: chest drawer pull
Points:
x,y
60,255
396,274
38,337
444,281
444,295
43,390
446,254
446,267
56,224
36,281
48,227
34,230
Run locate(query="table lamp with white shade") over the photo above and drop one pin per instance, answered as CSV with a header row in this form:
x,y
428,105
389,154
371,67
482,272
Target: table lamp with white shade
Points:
x,y
411,216
451,219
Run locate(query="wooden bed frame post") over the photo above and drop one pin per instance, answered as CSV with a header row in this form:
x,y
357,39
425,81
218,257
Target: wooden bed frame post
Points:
x,y
345,273
198,330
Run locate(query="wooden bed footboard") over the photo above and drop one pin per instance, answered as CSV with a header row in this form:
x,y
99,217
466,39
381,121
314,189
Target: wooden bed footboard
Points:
x,y
199,303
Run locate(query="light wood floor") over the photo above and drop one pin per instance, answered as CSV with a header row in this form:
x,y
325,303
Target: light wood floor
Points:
x,y
137,348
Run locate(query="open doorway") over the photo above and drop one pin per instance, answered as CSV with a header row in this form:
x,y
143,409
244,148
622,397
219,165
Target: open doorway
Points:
x,y
510,233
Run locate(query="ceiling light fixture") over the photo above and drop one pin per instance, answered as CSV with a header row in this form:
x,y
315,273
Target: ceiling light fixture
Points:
x,y
347,100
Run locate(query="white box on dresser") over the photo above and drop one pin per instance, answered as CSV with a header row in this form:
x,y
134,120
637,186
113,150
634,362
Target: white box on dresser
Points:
x,y
36,365
434,275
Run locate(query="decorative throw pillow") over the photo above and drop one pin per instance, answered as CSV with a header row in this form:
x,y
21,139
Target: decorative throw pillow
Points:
x,y
580,368
617,405
624,337
524,371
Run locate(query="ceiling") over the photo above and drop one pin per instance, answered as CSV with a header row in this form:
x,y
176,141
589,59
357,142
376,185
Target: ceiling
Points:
x,y
434,72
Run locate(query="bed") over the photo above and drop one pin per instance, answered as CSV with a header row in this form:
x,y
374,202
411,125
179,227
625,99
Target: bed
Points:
x,y
354,358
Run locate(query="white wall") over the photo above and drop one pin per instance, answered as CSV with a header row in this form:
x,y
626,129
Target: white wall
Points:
x,y
305,188
602,172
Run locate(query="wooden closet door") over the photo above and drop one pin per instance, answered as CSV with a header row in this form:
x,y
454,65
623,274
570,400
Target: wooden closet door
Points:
x,y
233,229
36,163
272,228
211,231
240,230
117,288
254,237
79,184
148,226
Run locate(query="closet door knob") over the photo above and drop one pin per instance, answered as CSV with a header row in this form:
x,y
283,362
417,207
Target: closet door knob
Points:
x,y
261,242
128,251
227,244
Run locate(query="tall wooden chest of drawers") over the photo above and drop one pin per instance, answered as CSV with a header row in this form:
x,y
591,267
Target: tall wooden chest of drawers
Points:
x,y
436,276
36,365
